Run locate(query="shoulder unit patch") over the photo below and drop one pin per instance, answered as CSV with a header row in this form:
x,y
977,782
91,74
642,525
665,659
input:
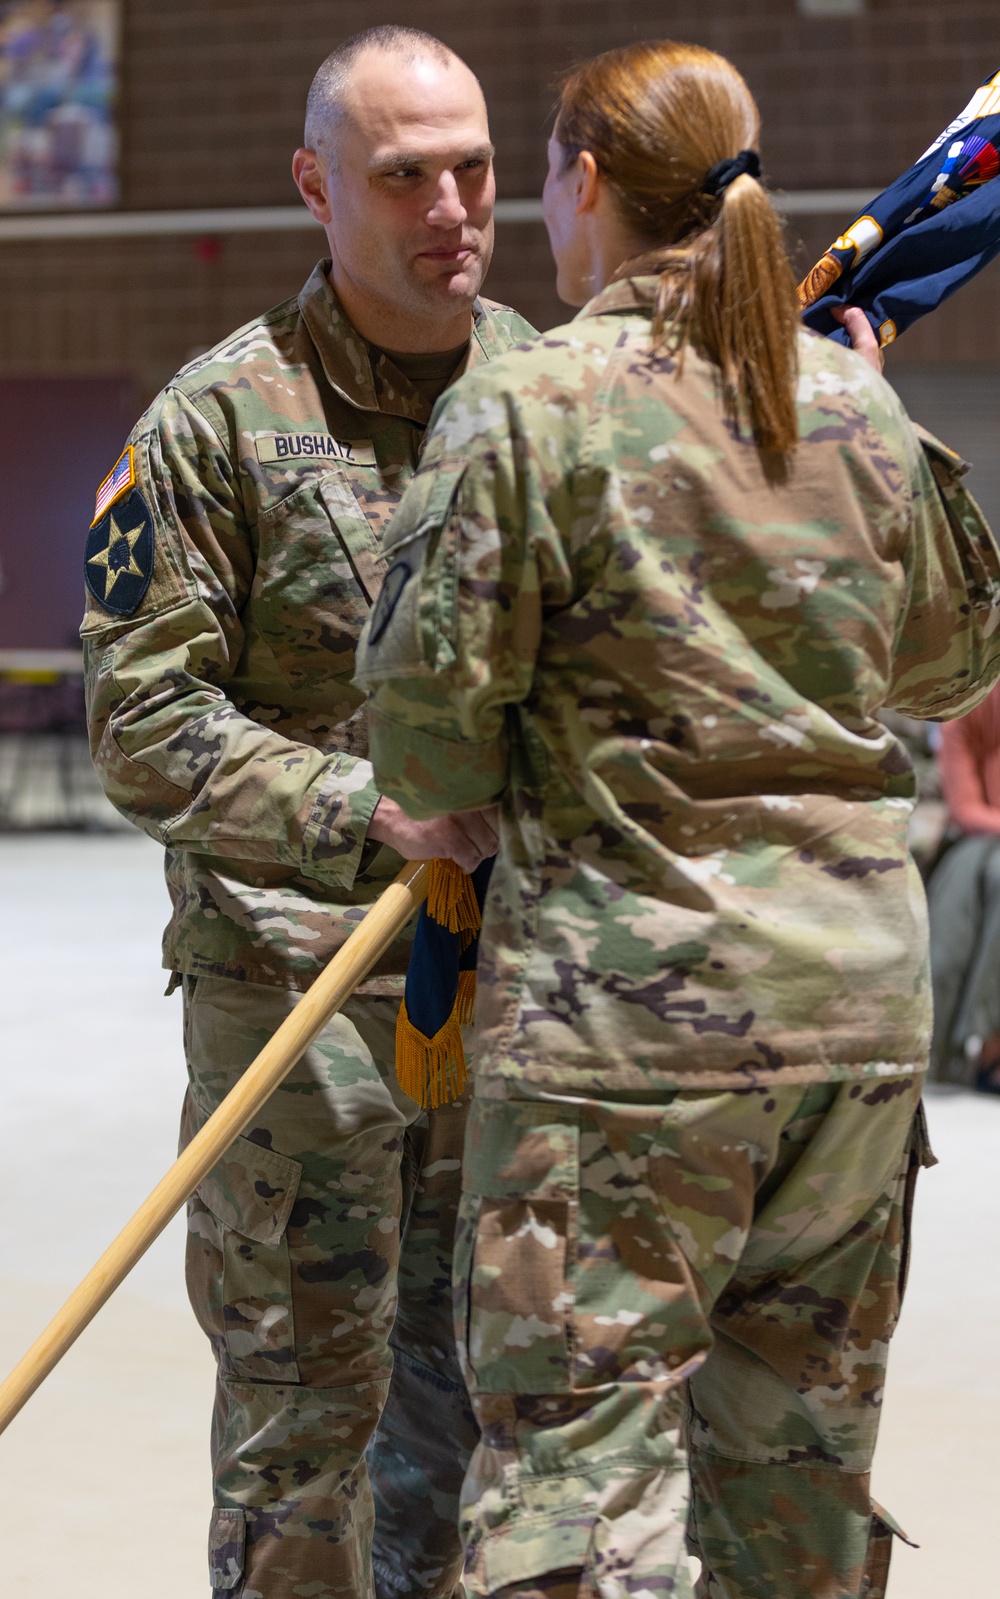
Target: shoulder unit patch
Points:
x,y
118,564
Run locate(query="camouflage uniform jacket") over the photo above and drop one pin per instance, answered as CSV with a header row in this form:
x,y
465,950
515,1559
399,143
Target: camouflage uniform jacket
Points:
x,y
672,665
223,719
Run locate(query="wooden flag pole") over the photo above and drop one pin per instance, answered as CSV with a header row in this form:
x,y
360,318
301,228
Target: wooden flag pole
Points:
x,y
382,923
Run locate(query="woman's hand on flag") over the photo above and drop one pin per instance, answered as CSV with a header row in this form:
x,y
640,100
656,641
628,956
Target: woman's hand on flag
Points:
x,y
859,329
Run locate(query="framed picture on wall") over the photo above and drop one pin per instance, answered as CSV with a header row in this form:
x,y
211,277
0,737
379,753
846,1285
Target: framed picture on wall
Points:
x,y
58,86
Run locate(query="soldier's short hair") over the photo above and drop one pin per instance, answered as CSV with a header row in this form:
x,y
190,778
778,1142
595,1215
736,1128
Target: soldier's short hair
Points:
x,y
325,104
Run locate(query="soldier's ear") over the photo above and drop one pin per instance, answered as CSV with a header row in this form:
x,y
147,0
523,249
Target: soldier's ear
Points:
x,y
587,182
309,173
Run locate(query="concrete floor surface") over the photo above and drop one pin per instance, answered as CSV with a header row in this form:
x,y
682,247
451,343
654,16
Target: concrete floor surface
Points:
x,y
104,1477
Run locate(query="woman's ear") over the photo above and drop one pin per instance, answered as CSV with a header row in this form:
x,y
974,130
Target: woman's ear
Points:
x,y
587,181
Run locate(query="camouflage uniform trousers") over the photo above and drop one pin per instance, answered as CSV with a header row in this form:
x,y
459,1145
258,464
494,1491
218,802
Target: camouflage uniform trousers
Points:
x,y
673,1313
296,1258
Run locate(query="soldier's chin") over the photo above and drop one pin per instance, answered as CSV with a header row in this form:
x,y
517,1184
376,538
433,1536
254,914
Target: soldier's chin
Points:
x,y
456,288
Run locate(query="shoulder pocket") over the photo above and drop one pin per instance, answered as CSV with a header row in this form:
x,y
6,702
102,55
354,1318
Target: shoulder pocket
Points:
x,y
413,627
426,505
945,463
974,542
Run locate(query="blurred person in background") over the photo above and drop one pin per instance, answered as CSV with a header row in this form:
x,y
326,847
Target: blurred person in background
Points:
x,y
964,902
653,582
232,562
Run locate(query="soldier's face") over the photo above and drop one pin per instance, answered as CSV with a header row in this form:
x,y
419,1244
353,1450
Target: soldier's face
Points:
x,y
411,188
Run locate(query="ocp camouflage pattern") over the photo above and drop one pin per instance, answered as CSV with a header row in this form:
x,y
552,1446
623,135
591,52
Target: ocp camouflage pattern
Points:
x,y
668,660
223,718
674,1314
319,1265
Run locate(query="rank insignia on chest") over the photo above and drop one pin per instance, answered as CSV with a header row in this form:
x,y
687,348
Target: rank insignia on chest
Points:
x,y
119,559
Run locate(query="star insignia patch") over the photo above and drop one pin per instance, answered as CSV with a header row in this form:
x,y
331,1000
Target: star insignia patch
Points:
x,y
118,564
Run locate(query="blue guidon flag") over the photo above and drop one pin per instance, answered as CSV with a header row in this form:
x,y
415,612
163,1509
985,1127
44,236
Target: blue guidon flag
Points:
x,y
923,237
441,985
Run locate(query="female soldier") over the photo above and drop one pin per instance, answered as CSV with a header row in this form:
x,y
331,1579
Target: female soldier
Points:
x,y
658,574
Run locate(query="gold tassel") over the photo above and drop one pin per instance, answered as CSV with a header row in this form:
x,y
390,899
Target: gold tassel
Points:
x,y
432,1070
451,899
465,999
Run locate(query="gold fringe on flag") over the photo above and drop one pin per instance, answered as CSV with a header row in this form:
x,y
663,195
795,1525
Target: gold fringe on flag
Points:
x,y
433,1070
465,1003
451,899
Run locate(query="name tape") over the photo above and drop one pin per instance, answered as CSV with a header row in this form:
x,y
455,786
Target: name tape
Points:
x,y
295,447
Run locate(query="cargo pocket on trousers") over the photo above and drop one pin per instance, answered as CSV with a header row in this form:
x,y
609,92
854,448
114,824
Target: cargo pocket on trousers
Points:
x,y
515,1247
884,1529
518,1297
226,1548
920,1155
251,1192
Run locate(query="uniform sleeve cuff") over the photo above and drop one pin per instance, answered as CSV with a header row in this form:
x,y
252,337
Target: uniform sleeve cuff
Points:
x,y
336,824
432,776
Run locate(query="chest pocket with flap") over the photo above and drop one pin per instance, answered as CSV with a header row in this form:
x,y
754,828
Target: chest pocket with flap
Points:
x,y
319,570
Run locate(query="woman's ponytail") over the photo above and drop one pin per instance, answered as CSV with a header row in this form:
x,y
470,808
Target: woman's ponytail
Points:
x,y
673,129
735,296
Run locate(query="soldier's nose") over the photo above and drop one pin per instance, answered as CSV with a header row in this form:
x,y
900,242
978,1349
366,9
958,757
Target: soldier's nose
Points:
x,y
447,210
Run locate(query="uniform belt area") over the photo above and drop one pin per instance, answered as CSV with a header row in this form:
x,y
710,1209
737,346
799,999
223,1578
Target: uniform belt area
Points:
x,y
281,218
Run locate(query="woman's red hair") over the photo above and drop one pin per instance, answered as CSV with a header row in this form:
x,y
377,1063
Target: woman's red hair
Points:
x,y
657,117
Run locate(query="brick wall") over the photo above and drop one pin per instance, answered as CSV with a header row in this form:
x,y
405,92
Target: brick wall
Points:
x,y
212,104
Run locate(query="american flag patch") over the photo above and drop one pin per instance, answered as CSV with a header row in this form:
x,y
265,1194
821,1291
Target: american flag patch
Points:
x,y
119,480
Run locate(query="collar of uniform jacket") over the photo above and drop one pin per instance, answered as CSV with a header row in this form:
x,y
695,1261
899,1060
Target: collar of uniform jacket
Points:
x,y
625,294
347,362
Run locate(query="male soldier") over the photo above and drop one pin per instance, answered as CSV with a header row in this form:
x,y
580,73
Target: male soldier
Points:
x,y
232,561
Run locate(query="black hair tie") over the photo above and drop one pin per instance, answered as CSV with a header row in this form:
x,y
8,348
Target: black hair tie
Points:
x,y
718,179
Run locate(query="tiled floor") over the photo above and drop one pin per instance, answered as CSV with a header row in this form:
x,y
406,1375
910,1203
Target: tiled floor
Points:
x,y
103,1478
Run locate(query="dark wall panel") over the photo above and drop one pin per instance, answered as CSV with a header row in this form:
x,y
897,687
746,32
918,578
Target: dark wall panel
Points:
x,y
58,438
